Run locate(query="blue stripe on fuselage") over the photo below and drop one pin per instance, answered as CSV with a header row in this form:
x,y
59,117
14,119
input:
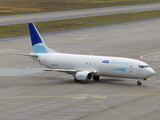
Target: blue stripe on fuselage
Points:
x,y
120,69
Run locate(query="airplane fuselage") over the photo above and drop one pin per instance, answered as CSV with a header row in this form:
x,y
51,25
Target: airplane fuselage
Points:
x,y
103,65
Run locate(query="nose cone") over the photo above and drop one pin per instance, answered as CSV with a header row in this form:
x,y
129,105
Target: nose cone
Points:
x,y
150,72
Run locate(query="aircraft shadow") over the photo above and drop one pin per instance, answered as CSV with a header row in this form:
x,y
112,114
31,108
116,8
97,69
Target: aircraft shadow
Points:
x,y
107,81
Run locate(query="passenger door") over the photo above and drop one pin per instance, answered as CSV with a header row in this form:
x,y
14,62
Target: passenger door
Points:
x,y
131,68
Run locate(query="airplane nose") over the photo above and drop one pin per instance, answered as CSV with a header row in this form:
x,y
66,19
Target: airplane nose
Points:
x,y
151,72
148,72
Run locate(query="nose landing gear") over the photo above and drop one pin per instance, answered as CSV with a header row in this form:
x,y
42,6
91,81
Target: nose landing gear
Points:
x,y
139,82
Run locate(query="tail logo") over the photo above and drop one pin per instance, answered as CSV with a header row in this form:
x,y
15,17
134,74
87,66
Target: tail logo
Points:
x,y
38,45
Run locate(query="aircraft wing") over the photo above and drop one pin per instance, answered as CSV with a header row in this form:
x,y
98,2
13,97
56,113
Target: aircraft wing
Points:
x,y
69,71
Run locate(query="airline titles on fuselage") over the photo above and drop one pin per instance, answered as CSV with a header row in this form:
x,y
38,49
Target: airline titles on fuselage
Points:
x,y
115,62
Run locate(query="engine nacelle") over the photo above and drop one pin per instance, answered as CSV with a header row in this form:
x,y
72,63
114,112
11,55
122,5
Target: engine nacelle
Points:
x,y
85,75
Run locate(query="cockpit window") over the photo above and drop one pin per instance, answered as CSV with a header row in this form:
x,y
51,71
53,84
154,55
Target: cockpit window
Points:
x,y
143,66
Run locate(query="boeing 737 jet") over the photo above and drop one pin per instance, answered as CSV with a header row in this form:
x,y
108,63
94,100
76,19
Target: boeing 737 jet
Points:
x,y
86,67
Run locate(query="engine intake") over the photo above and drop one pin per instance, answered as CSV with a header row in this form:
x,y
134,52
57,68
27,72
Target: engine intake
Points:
x,y
85,75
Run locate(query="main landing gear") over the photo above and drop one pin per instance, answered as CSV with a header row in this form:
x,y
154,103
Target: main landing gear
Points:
x,y
96,78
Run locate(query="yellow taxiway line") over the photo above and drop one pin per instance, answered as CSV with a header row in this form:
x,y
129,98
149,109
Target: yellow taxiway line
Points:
x,y
109,109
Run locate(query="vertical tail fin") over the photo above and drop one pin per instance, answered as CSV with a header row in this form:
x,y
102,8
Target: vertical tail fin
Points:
x,y
38,45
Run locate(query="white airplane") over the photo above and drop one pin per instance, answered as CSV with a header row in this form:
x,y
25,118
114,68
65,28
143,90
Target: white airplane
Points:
x,y
86,67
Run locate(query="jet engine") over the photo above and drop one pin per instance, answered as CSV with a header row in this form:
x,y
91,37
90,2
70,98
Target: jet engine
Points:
x,y
85,75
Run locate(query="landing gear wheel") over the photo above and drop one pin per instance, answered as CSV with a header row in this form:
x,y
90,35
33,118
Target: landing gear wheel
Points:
x,y
96,78
139,83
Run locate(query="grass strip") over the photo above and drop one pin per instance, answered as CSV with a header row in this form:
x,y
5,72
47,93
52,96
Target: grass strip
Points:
x,y
14,7
68,24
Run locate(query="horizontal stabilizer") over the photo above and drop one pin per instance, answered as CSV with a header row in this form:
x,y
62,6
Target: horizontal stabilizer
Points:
x,y
23,54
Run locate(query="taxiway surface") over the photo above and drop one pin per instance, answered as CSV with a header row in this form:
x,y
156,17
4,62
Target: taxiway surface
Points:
x,y
48,16
39,95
